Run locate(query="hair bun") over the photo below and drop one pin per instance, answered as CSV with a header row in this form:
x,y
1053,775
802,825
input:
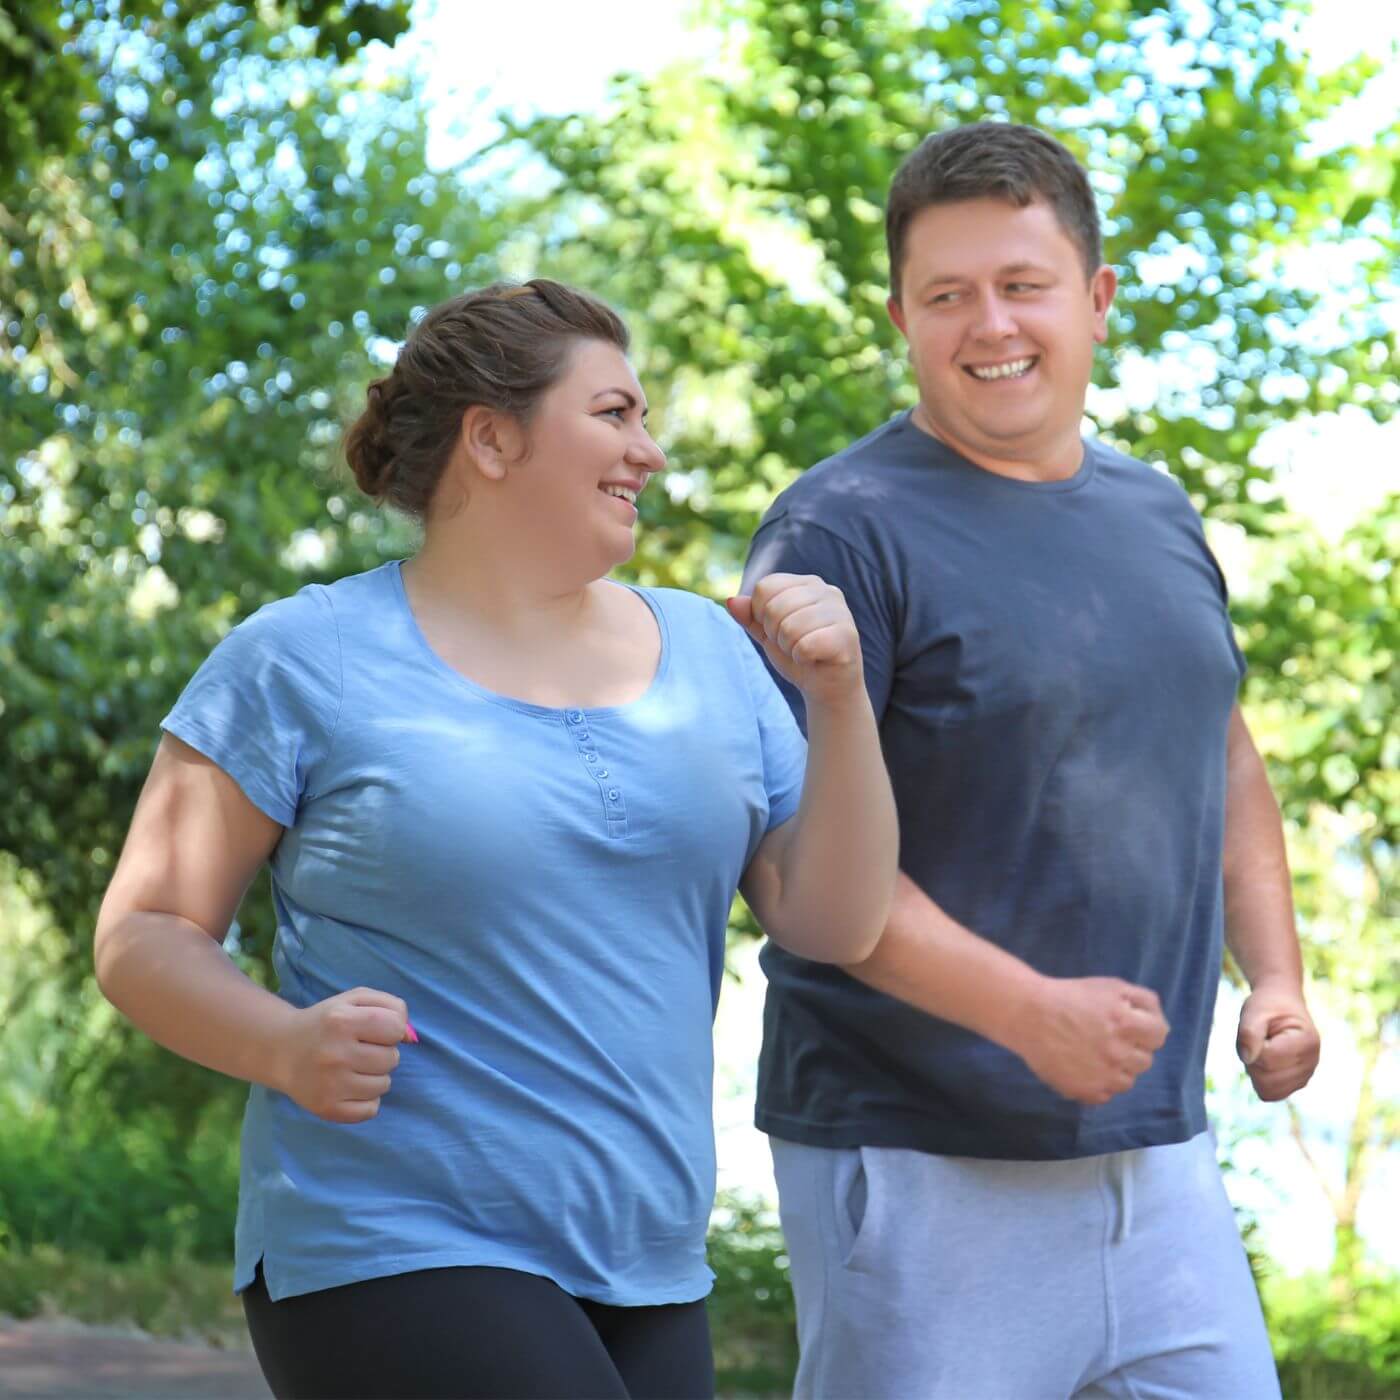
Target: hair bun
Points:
x,y
500,347
369,443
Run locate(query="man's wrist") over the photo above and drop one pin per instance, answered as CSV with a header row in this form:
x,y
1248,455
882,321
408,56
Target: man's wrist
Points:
x,y
1019,1011
1284,984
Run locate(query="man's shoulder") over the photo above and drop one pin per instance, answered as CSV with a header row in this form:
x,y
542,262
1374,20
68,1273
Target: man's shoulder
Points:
x,y
876,455
857,490
1151,480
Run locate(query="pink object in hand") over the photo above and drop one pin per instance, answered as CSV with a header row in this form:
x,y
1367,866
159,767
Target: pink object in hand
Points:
x,y
409,1033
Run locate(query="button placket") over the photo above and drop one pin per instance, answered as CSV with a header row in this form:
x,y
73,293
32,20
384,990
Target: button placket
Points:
x,y
614,805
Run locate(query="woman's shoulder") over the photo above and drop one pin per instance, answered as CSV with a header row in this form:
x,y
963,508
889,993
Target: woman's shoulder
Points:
x,y
675,599
690,613
702,633
313,612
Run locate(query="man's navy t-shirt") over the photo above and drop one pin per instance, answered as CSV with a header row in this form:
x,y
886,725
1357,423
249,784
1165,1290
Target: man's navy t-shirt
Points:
x,y
1053,671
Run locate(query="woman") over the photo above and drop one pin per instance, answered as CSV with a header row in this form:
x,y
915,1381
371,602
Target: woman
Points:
x,y
512,800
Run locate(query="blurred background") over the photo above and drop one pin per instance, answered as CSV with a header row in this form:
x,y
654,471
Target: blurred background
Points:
x,y
216,223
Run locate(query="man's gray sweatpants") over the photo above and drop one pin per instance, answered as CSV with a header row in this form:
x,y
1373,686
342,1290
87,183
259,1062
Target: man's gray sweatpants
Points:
x,y
1119,1277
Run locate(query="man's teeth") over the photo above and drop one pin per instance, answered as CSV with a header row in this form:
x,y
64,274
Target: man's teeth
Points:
x,y
1010,370
625,492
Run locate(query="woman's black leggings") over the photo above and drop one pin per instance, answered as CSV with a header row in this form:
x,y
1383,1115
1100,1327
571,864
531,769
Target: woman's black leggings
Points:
x,y
495,1334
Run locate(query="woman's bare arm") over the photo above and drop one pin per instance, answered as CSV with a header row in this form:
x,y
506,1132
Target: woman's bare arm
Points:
x,y
194,846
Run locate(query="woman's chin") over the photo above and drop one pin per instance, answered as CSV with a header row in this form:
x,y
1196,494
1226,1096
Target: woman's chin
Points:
x,y
626,548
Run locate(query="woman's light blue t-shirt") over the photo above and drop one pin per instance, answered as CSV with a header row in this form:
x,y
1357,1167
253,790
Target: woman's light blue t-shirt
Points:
x,y
546,889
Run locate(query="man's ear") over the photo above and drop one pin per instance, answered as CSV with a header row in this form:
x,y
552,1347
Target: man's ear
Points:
x,y
491,441
1102,286
897,315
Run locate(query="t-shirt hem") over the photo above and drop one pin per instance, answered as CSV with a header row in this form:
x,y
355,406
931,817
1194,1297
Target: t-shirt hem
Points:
x,y
945,1140
784,809
283,1282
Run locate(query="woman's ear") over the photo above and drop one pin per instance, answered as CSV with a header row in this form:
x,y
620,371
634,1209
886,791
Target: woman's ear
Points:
x,y
491,441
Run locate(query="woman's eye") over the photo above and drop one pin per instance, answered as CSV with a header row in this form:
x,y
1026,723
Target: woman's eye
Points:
x,y
620,412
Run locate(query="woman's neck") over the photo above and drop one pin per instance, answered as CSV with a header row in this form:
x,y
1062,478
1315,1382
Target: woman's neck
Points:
x,y
468,583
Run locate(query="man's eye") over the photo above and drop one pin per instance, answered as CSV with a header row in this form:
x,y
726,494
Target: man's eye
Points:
x,y
942,298
1024,287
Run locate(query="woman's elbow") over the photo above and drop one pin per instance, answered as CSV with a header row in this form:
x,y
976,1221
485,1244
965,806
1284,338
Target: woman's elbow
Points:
x,y
842,942
861,946
104,956
111,942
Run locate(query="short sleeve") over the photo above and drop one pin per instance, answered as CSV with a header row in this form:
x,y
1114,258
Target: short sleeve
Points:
x,y
784,748
1198,532
790,545
264,704
1241,665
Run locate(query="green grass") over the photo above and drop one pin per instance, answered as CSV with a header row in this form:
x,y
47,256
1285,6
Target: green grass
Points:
x,y
188,1299
1321,1355
192,1300
1335,1348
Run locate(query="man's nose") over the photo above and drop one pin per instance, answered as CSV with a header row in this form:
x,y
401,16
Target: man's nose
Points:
x,y
995,319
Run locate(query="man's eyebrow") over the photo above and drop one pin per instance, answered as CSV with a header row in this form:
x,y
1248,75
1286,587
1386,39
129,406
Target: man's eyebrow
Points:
x,y
626,394
942,279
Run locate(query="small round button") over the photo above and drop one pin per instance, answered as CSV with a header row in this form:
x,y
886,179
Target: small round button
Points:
x,y
613,794
602,772
575,716
590,758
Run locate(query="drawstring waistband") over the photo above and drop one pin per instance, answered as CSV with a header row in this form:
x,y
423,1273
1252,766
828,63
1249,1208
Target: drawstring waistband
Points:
x,y
1120,1176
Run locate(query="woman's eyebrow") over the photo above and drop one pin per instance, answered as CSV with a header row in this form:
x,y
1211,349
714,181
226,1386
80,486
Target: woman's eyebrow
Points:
x,y
626,394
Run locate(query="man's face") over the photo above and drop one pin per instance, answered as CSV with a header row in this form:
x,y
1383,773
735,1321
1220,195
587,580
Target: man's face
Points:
x,y
1001,325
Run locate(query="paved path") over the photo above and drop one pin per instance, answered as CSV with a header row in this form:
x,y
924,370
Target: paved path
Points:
x,y
66,1361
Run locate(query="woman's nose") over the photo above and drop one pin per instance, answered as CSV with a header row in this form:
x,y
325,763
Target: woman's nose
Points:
x,y
646,453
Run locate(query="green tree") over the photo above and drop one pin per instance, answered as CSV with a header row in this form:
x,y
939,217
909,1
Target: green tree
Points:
x,y
46,76
1324,646
192,298
737,209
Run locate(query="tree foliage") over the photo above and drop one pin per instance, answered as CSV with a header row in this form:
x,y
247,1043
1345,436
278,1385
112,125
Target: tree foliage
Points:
x,y
1324,644
212,225
191,298
47,76
736,209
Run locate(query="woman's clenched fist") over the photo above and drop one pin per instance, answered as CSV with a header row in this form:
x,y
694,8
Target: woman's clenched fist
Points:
x,y
339,1054
807,632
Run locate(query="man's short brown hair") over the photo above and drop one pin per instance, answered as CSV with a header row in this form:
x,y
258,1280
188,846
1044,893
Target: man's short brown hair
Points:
x,y
992,160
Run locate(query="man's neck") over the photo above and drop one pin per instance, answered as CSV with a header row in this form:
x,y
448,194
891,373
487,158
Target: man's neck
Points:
x,y
1057,461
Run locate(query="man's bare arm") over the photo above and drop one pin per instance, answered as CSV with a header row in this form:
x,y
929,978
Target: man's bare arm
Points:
x,y
1086,1037
1277,1041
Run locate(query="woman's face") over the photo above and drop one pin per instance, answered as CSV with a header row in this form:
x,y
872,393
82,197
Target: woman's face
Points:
x,y
589,457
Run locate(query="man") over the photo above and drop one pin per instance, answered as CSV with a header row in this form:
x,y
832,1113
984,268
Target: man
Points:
x,y
1010,1192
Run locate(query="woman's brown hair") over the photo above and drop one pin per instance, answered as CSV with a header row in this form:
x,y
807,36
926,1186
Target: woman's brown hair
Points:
x,y
502,347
